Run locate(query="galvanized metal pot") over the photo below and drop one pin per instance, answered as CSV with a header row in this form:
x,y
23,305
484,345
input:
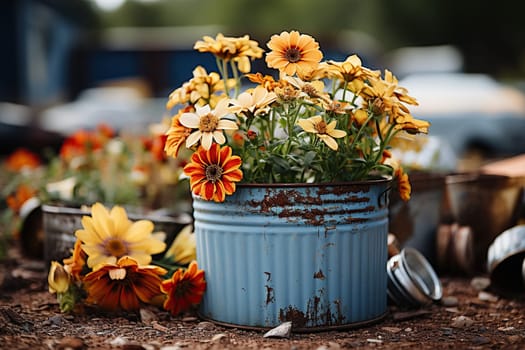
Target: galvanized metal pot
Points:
x,y
311,254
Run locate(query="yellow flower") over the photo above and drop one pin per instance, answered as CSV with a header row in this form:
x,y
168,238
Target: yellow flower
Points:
x,y
313,89
326,132
349,70
184,289
214,172
292,52
403,184
177,135
239,50
202,89
209,124
254,102
183,248
123,285
58,278
110,235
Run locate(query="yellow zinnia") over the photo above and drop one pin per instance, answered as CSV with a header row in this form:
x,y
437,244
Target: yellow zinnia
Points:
x,y
110,235
326,132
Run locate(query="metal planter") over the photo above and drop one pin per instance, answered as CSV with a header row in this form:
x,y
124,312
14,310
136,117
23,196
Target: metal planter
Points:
x,y
311,254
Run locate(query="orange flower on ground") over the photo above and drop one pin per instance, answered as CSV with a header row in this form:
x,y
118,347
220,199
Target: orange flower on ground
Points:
x,y
123,285
293,52
76,262
214,172
22,159
184,289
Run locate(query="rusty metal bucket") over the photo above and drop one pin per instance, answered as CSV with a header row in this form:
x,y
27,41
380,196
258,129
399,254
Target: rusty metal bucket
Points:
x,y
311,254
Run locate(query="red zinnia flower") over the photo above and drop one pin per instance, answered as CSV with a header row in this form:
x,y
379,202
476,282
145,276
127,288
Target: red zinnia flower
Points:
x,y
213,172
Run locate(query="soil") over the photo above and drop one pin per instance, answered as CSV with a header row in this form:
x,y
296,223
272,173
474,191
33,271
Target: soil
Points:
x,y
467,318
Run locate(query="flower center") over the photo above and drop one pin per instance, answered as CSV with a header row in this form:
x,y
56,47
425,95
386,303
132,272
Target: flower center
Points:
x,y
321,127
115,247
208,123
293,54
309,90
213,173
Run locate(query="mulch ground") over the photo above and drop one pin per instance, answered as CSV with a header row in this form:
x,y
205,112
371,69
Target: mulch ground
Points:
x,y
467,318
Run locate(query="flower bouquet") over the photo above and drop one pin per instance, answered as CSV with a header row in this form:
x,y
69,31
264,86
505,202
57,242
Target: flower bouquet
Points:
x,y
315,122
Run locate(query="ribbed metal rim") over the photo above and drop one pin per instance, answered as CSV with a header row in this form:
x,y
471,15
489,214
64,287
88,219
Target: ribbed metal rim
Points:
x,y
313,184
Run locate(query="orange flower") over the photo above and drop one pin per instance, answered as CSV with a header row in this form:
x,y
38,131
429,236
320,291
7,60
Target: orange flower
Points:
x,y
176,135
403,184
22,158
184,289
292,52
213,173
123,285
22,194
76,262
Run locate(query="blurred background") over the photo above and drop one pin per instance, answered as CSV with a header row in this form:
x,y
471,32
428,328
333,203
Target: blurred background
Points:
x,y
68,64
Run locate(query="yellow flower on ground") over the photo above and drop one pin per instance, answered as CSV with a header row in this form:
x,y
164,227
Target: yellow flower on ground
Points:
x,y
58,278
209,124
214,172
326,132
183,249
123,285
110,235
293,52
184,289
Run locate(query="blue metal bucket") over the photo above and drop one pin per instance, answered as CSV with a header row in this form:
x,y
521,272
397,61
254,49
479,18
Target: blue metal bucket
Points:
x,y
311,254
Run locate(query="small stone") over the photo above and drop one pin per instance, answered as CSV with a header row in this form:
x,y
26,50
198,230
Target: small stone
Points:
x,y
189,319
281,331
375,341
505,329
392,329
447,331
119,341
449,301
480,283
146,316
462,322
205,325
217,338
479,340
408,329
486,296
453,310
